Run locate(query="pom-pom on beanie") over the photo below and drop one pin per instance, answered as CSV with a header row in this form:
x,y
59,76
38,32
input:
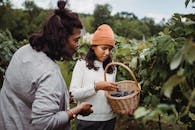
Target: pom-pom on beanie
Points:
x,y
103,36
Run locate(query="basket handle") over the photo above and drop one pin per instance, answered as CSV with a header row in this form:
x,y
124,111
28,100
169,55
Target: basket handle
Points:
x,y
127,68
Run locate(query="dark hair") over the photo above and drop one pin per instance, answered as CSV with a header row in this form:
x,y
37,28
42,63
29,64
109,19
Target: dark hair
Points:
x,y
53,38
91,57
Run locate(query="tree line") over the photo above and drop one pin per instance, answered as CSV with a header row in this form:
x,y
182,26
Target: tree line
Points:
x,y
23,22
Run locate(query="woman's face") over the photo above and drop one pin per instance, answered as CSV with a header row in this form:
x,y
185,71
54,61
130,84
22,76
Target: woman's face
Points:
x,y
73,41
102,52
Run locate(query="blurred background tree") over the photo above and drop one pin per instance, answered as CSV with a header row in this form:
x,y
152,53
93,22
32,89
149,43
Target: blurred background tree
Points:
x,y
161,55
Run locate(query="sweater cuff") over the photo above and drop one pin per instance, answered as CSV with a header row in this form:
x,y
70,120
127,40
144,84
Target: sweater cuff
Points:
x,y
92,89
63,117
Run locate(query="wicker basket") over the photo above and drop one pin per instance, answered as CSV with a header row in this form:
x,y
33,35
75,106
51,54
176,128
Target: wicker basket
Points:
x,y
125,103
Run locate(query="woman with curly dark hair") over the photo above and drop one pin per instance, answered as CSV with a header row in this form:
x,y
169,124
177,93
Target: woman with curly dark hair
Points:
x,y
34,93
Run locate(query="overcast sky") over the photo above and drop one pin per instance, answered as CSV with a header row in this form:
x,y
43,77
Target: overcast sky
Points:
x,y
157,9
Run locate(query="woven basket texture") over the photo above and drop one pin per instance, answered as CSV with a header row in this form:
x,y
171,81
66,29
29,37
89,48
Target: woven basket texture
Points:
x,y
124,103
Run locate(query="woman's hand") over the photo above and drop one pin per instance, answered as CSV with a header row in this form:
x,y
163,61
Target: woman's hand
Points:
x,y
85,109
104,85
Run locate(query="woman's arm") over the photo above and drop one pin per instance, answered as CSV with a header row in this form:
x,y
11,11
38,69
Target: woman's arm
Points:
x,y
46,113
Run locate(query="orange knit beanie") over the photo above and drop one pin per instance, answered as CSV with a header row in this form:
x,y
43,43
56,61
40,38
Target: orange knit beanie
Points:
x,y
103,36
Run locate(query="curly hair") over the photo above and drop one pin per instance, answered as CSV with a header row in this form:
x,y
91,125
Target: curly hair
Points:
x,y
54,35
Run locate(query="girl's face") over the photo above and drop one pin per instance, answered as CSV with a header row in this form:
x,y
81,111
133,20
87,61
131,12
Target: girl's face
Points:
x,y
102,52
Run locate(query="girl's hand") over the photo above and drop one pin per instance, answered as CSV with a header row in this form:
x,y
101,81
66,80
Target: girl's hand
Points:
x,y
105,85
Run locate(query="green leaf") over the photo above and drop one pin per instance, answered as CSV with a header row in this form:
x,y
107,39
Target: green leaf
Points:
x,y
171,83
190,56
189,22
151,100
164,107
133,63
140,112
176,61
180,72
193,98
187,2
166,31
124,51
189,51
192,116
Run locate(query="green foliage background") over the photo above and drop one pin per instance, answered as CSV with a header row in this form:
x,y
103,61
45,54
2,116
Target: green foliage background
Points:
x,y
160,55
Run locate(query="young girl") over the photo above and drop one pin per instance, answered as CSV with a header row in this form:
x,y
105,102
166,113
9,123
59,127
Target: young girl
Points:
x,y
88,83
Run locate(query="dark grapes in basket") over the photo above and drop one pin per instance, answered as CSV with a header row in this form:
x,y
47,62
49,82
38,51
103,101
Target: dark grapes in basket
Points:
x,y
116,94
121,94
125,93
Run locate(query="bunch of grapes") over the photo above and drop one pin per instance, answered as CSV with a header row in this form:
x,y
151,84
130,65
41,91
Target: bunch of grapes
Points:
x,y
121,94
